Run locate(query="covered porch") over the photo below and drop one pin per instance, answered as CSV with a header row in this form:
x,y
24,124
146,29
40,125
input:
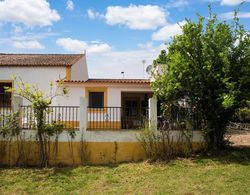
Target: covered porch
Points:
x,y
131,114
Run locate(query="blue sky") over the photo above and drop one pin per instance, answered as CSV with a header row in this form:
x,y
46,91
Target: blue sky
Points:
x,y
116,34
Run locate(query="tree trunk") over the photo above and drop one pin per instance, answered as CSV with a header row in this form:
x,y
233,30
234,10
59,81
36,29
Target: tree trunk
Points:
x,y
41,150
41,140
216,139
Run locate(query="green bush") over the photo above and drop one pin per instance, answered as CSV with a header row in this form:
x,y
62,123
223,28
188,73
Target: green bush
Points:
x,y
163,145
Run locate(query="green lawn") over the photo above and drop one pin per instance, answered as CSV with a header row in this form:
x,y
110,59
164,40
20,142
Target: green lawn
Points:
x,y
228,173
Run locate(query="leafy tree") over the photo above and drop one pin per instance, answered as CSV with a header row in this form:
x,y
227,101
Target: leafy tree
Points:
x,y
162,58
208,66
40,103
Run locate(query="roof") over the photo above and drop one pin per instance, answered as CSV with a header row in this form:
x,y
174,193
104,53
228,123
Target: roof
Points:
x,y
39,59
119,81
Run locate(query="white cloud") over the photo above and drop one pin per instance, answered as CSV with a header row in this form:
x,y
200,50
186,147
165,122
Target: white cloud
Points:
x,y
230,15
151,47
129,61
139,17
25,40
75,45
232,2
33,36
28,45
111,64
168,31
106,63
70,5
93,15
28,12
177,3
147,45
16,29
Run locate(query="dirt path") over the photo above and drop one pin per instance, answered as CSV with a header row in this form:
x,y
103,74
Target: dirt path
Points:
x,y
239,137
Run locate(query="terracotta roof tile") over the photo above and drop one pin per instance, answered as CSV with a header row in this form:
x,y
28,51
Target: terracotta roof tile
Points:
x,y
127,81
39,59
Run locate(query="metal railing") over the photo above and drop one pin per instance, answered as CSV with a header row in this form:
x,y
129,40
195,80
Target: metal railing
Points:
x,y
178,118
114,118
66,115
5,108
104,118
134,117
5,111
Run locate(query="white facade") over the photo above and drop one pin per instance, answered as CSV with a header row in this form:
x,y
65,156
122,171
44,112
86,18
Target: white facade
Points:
x,y
114,92
40,76
79,71
43,75
79,85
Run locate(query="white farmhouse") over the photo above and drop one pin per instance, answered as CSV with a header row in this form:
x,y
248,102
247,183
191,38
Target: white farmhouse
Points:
x,y
112,103
97,109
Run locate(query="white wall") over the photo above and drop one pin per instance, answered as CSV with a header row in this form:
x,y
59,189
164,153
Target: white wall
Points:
x,y
114,93
41,76
79,71
72,99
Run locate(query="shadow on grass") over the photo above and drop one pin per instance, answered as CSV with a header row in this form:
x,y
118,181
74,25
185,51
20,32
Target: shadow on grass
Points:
x,y
85,169
237,155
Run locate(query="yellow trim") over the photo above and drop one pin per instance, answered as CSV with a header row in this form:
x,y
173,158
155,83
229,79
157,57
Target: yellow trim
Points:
x,y
12,83
106,125
69,124
77,153
68,73
98,89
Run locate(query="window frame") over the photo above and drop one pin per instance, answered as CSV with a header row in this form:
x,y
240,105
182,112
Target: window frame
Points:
x,y
91,101
97,89
11,96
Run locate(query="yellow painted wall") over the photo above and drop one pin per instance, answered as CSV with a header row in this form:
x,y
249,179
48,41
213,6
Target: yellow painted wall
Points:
x,y
68,73
74,153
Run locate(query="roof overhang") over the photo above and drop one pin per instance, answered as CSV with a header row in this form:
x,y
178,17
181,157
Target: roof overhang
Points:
x,y
130,83
39,60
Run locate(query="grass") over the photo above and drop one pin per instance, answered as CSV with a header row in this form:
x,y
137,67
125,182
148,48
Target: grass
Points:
x,y
225,173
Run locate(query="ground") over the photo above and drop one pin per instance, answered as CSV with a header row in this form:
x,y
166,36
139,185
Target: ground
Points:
x,y
225,173
239,137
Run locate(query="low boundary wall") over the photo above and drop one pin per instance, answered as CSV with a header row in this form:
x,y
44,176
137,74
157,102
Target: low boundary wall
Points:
x,y
94,147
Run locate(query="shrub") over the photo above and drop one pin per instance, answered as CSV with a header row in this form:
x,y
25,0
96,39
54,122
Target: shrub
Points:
x,y
165,144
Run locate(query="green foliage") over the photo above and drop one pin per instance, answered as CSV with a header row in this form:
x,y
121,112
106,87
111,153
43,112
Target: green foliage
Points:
x,y
55,128
40,104
243,114
72,134
11,126
162,145
208,66
162,58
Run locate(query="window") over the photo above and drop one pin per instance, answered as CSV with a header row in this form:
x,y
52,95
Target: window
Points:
x,y
96,99
5,95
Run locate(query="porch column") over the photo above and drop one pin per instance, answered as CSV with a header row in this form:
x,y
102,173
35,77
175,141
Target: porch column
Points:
x,y
153,113
16,103
83,114
16,106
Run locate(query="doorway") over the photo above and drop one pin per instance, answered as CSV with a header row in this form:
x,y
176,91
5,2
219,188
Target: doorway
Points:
x,y
134,109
